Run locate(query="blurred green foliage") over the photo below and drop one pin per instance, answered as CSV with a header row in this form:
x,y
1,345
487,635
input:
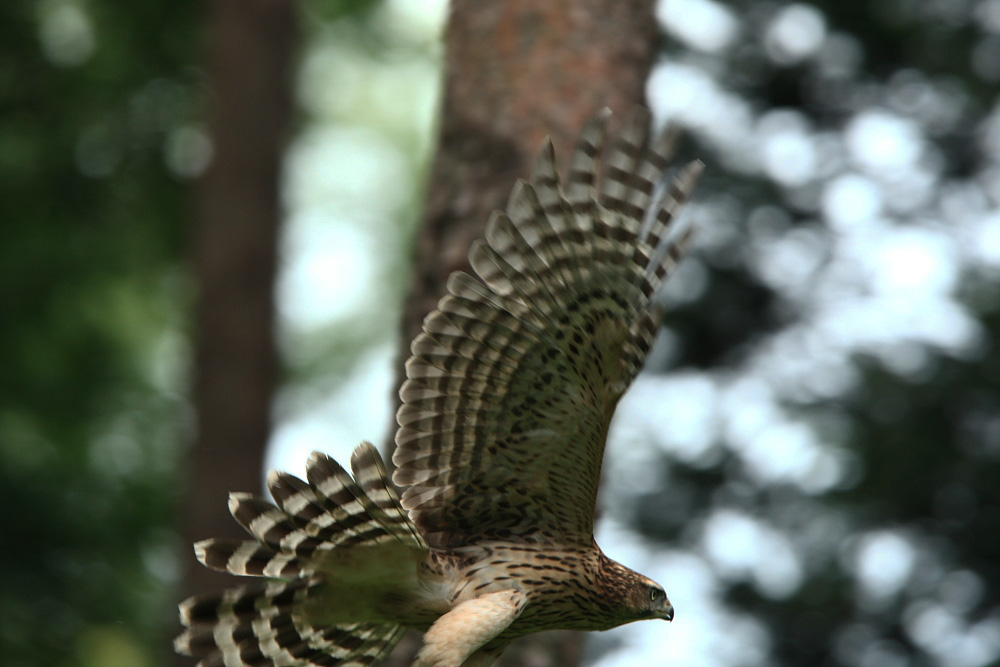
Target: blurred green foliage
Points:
x,y
92,224
922,441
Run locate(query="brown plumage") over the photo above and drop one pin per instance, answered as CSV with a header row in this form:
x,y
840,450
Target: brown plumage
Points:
x,y
505,413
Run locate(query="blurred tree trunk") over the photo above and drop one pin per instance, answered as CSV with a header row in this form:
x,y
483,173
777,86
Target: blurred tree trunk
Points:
x,y
250,58
517,70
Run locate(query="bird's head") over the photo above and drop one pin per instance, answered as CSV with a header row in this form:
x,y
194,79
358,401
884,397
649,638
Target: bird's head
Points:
x,y
637,598
648,600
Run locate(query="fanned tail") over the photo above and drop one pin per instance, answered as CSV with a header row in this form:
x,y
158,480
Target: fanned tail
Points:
x,y
261,625
334,547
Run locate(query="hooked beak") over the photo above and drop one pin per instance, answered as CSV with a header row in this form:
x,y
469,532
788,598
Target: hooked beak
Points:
x,y
668,613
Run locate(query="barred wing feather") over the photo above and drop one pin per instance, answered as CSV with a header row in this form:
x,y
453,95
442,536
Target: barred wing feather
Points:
x,y
513,382
337,550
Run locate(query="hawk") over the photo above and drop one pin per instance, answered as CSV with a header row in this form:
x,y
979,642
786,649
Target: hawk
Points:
x,y
505,411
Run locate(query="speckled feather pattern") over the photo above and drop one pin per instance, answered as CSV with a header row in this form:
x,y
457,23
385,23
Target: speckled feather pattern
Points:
x,y
512,386
510,392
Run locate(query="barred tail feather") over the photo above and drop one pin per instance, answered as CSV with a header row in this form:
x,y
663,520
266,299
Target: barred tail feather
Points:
x,y
260,625
336,548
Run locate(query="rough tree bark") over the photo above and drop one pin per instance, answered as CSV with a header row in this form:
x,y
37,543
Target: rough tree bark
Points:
x,y
517,70
250,61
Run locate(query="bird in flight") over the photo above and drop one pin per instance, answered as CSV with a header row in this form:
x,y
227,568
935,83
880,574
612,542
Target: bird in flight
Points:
x,y
505,412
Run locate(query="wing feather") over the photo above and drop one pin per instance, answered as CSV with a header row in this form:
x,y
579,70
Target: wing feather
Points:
x,y
512,385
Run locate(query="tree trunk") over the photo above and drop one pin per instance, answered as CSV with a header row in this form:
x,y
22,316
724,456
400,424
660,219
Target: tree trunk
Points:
x,y
234,236
517,70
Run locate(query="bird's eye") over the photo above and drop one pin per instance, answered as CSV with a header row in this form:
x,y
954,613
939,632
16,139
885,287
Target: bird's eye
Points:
x,y
653,594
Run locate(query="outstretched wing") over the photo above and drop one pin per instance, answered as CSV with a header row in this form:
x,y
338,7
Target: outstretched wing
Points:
x,y
513,383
